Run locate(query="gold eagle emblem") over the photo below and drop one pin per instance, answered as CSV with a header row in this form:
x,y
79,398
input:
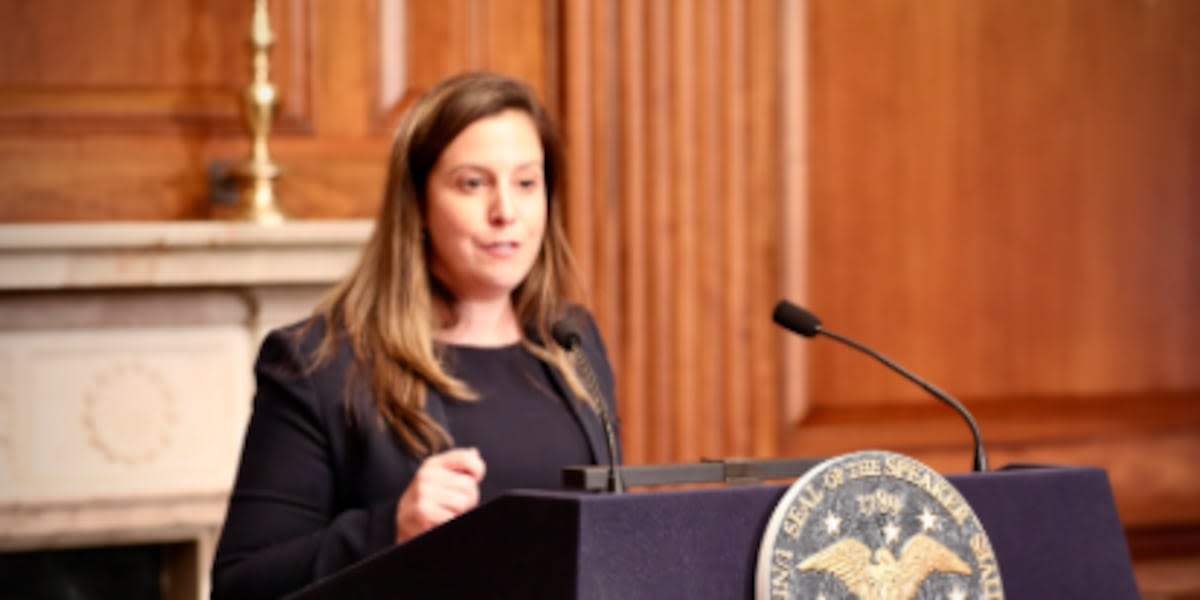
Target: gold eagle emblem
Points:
x,y
881,576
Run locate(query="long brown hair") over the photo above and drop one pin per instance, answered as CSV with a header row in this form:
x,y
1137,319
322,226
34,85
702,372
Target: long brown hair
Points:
x,y
387,307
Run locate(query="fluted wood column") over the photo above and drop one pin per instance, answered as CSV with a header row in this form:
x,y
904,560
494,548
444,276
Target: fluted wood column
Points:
x,y
676,131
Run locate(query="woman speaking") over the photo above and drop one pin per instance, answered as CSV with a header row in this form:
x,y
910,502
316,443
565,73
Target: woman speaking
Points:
x,y
426,382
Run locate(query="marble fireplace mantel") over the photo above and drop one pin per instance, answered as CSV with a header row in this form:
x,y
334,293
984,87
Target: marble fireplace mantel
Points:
x,y
125,371
176,254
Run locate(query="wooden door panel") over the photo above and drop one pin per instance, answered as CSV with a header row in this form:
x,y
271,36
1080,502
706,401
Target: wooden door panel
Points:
x,y
72,68
1003,199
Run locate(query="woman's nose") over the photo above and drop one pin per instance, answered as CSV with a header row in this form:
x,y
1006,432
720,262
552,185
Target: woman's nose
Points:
x,y
503,211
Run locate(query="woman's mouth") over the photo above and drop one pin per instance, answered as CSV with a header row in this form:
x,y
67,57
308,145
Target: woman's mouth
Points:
x,y
501,249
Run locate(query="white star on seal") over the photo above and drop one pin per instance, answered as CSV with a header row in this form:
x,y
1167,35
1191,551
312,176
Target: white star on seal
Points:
x,y
929,521
833,524
891,533
957,594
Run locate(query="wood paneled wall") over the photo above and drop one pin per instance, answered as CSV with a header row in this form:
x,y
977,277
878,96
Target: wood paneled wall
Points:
x,y
116,110
1004,197
1000,195
673,114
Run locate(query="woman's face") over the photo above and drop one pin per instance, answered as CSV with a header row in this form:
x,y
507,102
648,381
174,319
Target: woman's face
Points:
x,y
486,208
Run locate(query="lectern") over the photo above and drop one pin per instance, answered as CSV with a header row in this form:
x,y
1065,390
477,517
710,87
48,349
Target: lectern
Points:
x,y
1055,532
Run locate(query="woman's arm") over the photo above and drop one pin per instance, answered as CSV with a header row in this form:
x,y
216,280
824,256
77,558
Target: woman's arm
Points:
x,y
281,531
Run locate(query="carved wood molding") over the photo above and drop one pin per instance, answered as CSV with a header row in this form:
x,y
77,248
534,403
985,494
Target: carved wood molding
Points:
x,y
413,45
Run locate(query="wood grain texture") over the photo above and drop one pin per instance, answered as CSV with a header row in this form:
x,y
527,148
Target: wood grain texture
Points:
x,y
1015,195
672,120
1003,197
176,68
117,110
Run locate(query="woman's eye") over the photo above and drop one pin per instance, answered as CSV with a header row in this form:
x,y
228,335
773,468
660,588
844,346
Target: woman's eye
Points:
x,y
528,184
470,184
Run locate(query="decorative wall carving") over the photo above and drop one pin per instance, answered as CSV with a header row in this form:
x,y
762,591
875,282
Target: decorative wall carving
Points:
x,y
129,412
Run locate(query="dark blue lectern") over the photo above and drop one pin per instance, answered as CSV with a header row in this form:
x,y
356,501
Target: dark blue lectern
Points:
x,y
1055,532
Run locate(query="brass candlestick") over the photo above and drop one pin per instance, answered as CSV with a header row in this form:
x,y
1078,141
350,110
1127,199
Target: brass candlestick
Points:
x,y
256,177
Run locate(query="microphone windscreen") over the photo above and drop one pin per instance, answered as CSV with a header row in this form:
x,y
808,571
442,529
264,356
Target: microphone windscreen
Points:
x,y
794,318
565,334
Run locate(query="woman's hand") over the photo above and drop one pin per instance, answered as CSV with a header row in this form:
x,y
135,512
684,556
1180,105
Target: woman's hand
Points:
x,y
445,486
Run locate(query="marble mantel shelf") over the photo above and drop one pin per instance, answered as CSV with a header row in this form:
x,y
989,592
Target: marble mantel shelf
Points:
x,y
179,253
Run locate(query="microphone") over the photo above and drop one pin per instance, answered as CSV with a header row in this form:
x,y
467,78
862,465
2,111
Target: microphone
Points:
x,y
797,320
568,337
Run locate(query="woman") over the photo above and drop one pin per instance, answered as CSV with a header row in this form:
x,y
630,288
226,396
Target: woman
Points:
x,y
426,383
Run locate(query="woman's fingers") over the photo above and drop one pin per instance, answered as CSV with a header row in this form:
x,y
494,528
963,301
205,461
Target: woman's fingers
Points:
x,y
452,478
454,491
445,486
462,460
